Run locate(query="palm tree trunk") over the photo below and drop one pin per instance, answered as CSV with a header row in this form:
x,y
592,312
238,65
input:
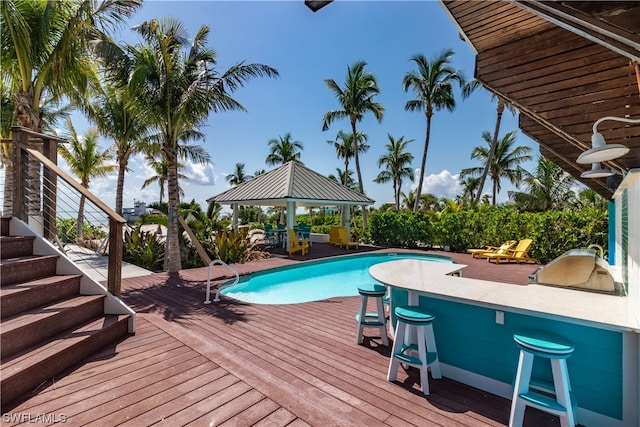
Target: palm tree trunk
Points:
x,y
120,186
495,191
357,160
25,115
396,195
492,150
79,225
174,263
423,165
7,206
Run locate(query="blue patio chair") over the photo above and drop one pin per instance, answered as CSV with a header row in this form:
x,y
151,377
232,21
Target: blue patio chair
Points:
x,y
304,232
269,234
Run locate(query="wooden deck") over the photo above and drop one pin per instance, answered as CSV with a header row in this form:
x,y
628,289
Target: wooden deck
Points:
x,y
232,363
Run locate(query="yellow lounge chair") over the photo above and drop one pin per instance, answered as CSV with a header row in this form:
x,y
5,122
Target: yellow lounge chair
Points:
x,y
480,253
334,236
344,239
296,244
519,254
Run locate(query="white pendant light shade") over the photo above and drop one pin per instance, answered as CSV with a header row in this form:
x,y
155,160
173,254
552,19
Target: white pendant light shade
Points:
x,y
597,171
600,151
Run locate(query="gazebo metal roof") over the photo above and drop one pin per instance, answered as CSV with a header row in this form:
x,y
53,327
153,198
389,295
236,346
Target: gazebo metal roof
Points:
x,y
291,182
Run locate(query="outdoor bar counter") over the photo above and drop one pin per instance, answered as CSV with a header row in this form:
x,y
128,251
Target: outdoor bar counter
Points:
x,y
476,319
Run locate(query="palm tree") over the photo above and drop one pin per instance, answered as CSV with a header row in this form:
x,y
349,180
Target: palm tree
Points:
x,y
47,49
467,90
432,83
238,176
344,146
115,119
549,187
162,173
47,56
344,178
408,199
86,161
505,164
355,99
588,198
283,150
178,90
469,187
397,162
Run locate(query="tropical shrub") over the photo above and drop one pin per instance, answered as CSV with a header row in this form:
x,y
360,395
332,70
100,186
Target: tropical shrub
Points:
x,y
553,232
402,229
231,247
67,231
144,249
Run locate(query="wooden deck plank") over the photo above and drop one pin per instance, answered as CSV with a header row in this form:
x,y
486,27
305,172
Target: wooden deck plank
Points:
x,y
252,414
240,364
86,390
183,396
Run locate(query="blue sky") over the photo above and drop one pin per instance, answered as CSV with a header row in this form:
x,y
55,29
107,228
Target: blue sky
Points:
x,y
306,48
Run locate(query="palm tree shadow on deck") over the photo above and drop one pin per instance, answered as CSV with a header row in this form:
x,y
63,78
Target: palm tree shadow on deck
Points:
x,y
177,298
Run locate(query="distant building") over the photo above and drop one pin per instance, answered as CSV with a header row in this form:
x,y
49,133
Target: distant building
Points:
x,y
132,214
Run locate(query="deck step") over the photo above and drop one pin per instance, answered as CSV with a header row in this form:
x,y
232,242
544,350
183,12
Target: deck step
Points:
x,y
4,225
30,327
24,296
26,371
16,246
21,269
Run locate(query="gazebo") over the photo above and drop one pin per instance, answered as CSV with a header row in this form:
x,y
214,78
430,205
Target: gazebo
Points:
x,y
291,185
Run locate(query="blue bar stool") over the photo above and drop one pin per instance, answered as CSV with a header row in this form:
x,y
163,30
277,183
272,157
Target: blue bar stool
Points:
x,y
553,398
371,320
420,319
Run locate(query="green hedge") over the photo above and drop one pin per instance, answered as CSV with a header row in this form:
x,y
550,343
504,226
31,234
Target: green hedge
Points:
x,y
553,232
403,229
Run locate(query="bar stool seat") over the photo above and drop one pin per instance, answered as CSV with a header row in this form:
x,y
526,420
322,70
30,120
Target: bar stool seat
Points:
x,y
403,351
555,398
376,320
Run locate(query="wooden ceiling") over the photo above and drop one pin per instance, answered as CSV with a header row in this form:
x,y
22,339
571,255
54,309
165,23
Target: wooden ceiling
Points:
x,y
564,65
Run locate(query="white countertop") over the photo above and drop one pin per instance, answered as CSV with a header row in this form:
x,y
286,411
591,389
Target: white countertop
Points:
x,y
432,279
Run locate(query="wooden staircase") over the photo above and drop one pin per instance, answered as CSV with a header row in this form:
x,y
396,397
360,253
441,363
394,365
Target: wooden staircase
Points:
x,y
46,324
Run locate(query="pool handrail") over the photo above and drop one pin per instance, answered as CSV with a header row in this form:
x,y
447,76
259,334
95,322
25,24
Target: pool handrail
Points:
x,y
226,285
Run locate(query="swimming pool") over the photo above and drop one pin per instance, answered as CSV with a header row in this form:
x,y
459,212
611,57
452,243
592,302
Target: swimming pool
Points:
x,y
315,280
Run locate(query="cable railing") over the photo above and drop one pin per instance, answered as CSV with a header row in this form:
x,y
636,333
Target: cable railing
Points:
x,y
61,210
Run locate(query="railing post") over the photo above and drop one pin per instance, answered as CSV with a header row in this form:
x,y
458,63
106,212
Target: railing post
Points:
x,y
19,184
50,189
114,274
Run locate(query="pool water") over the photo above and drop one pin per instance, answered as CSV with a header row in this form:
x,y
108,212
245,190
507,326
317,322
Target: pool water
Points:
x,y
315,280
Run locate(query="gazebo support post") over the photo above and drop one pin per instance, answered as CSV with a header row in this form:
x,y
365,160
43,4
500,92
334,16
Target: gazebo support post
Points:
x,y
347,219
291,218
235,217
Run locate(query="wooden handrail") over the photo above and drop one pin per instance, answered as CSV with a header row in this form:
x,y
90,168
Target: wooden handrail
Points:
x,y
79,188
37,135
116,221
194,240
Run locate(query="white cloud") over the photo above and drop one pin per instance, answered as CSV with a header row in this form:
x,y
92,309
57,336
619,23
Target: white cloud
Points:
x,y
441,185
199,174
